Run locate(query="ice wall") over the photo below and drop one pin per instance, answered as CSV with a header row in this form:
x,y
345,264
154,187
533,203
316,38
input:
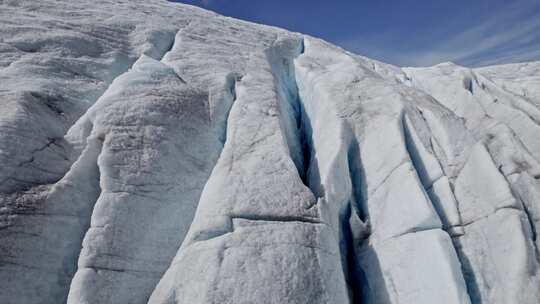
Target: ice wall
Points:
x,y
158,153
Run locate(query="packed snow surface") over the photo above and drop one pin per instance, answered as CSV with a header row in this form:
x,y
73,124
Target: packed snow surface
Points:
x,y
154,152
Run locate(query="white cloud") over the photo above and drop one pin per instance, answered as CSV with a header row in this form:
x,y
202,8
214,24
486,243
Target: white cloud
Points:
x,y
501,30
508,35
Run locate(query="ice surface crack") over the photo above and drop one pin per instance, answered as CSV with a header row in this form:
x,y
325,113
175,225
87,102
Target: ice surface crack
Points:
x,y
94,159
275,218
33,154
347,215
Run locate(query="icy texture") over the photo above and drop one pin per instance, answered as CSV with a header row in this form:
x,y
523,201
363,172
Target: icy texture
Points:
x,y
158,153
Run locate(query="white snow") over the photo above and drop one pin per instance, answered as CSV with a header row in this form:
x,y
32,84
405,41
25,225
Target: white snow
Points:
x,y
154,152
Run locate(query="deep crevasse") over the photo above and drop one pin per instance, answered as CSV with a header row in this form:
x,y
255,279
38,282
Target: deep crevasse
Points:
x,y
337,94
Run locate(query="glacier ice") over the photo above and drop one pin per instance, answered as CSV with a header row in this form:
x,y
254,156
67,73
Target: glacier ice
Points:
x,y
155,152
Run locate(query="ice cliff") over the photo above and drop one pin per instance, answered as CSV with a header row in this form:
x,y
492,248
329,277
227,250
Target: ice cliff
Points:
x,y
158,153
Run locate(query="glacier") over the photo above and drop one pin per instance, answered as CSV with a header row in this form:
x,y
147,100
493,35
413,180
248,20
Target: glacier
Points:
x,y
155,152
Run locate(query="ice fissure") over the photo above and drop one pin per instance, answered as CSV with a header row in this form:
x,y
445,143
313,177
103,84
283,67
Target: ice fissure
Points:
x,y
338,213
528,208
172,155
170,116
497,157
69,202
82,137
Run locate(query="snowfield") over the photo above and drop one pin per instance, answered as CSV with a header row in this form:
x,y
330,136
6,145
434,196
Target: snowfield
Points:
x,y
154,152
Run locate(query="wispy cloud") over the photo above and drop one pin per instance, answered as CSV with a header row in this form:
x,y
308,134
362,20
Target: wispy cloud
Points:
x,y
504,31
511,34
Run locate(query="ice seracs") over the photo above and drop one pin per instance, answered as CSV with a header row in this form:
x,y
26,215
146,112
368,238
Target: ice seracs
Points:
x,y
154,152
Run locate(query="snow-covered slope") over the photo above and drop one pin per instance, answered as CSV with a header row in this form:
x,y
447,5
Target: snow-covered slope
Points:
x,y
154,152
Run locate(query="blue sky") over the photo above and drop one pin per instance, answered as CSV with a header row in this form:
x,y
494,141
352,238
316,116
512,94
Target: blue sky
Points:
x,y
406,32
